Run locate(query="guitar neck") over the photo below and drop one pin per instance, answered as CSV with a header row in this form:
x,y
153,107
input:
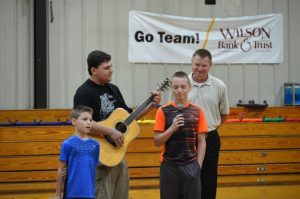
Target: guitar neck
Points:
x,y
135,114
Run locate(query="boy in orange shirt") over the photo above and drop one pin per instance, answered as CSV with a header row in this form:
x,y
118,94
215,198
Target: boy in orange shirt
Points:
x,y
180,127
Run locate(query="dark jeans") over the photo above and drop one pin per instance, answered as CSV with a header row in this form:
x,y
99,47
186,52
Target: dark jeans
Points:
x,y
180,181
209,170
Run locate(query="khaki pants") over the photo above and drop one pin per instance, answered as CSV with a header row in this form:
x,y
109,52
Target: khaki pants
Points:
x,y
112,182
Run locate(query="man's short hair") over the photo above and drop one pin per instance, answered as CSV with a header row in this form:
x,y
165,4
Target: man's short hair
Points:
x,y
95,58
78,110
203,53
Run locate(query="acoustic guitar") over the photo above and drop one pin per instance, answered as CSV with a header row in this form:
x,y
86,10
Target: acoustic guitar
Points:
x,y
121,120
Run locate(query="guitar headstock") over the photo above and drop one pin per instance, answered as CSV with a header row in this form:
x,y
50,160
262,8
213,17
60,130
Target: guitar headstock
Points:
x,y
164,84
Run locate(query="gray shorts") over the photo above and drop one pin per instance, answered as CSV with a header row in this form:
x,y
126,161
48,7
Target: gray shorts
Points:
x,y
180,181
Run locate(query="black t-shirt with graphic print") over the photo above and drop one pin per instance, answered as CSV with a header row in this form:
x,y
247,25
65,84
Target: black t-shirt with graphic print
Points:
x,y
103,99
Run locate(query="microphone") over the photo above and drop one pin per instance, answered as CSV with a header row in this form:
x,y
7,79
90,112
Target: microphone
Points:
x,y
180,108
180,111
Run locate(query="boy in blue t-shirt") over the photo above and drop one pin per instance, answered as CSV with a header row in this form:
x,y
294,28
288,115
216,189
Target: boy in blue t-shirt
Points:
x,y
79,157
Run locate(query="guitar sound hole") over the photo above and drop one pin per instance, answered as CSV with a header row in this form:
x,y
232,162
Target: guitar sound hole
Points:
x,y
120,126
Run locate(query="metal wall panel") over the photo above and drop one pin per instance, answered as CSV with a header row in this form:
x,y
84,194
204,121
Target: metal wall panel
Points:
x,y
16,54
57,55
293,41
245,81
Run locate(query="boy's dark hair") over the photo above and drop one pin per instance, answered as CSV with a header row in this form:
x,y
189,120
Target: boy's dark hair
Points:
x,y
95,58
181,74
77,110
203,53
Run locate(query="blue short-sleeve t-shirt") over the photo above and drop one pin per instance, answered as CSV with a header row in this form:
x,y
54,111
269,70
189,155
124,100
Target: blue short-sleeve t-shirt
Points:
x,y
81,157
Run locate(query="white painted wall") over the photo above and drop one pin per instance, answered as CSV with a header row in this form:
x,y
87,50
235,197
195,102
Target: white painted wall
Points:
x,y
81,26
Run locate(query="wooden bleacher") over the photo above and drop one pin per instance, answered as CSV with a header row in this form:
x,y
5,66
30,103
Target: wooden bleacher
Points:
x,y
258,153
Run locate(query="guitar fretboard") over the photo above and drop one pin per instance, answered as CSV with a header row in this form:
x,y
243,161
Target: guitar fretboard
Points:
x,y
138,111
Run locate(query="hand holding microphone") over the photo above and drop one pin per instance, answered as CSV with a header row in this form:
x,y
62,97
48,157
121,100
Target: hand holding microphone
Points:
x,y
178,120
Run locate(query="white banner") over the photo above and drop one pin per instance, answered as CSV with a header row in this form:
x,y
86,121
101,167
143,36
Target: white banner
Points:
x,y
161,38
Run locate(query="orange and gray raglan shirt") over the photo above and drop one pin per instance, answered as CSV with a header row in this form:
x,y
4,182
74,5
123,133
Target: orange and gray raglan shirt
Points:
x,y
181,148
